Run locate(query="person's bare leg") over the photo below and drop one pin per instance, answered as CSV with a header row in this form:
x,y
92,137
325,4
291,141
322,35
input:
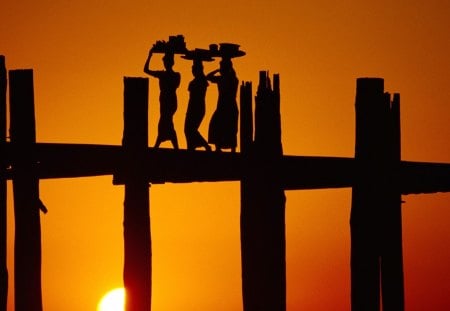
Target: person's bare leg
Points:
x,y
157,143
175,143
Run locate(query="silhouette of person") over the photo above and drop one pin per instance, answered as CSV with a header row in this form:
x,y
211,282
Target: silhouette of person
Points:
x,y
196,105
169,81
224,122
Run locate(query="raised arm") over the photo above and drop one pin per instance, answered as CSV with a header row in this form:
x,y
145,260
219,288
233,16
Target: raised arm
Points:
x,y
212,76
147,64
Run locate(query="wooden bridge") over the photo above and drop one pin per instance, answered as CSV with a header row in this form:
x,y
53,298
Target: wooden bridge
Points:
x,y
376,174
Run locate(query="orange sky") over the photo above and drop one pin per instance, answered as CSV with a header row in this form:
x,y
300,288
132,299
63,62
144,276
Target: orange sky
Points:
x,y
80,51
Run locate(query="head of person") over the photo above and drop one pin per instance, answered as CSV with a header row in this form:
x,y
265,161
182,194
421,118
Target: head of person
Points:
x,y
168,60
197,68
226,66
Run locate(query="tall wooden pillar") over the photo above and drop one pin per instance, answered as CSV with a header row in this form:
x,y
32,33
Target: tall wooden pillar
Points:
x,y
27,247
3,225
246,118
391,256
137,240
375,221
263,247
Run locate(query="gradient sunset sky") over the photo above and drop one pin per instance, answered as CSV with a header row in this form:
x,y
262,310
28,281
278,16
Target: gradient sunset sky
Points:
x,y
81,50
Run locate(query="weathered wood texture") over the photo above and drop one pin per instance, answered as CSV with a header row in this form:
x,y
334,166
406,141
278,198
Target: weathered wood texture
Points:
x,y
3,220
376,242
27,247
263,244
137,240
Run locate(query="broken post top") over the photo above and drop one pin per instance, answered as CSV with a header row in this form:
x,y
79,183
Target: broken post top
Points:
x,y
377,122
2,62
21,96
370,84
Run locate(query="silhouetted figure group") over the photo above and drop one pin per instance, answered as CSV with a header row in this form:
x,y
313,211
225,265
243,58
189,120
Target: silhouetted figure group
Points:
x,y
224,122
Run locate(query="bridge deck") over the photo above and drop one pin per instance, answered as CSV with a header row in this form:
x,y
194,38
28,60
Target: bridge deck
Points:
x,y
182,166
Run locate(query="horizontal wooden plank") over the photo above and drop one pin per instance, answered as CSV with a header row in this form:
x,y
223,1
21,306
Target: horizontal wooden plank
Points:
x,y
183,166
424,177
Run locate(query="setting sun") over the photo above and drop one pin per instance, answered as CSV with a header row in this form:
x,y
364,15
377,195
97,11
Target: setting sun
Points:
x,y
114,300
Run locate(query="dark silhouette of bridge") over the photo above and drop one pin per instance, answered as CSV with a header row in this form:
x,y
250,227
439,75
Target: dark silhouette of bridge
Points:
x,y
377,175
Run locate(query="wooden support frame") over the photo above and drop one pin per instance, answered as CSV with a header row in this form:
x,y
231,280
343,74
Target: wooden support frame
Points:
x,y
376,171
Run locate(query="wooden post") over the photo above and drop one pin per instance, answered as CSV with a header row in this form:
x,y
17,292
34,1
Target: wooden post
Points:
x,y
137,239
246,117
365,219
263,247
27,248
375,220
391,257
3,221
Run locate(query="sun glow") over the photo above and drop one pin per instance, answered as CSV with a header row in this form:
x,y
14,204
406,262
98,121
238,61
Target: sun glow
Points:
x,y
114,300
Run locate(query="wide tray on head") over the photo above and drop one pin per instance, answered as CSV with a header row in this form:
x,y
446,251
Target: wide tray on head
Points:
x,y
199,55
229,50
